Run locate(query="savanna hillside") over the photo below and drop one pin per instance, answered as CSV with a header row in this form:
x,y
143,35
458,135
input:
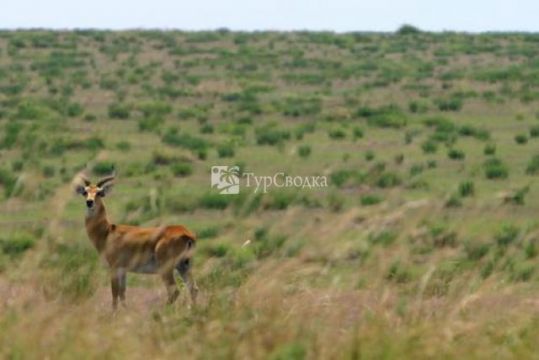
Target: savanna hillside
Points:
x,y
424,244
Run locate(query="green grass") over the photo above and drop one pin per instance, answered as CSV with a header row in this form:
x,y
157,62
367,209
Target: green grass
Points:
x,y
424,243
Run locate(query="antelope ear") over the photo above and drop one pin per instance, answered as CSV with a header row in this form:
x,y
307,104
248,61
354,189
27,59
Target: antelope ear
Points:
x,y
79,189
105,189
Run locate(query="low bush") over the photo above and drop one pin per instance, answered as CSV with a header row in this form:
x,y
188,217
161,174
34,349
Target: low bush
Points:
x,y
490,149
456,154
388,179
495,169
119,111
182,169
304,151
370,199
466,188
533,166
271,136
214,201
521,139
507,235
16,245
337,134
102,168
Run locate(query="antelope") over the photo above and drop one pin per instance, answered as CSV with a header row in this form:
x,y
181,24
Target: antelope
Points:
x,y
126,248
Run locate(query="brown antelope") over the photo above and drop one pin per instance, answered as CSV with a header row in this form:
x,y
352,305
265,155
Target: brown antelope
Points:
x,y
157,250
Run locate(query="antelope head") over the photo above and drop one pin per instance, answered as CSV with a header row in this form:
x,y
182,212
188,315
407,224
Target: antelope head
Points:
x,y
91,192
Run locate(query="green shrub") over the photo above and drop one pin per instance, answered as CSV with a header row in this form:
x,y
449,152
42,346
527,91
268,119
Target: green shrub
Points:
x,y
16,245
476,250
102,168
297,107
454,201
466,188
383,238
370,199
152,123
119,111
429,147
407,29
48,171
12,131
340,177
123,146
534,131
186,141
521,139
266,245
456,154
31,110
304,151
530,249
357,133
270,136
522,271
369,155
495,169
8,181
207,128
391,120
301,130
225,150
182,169
214,201
418,107
452,104
90,118
17,165
217,250
388,179
480,134
398,273
507,235
490,149
416,169
337,134
154,108
519,196
533,166
280,200
208,233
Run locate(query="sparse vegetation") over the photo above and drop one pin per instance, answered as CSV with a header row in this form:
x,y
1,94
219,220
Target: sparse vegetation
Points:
x,y
423,244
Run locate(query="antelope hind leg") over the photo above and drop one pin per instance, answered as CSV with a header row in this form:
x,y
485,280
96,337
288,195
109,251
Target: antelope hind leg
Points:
x,y
170,283
184,268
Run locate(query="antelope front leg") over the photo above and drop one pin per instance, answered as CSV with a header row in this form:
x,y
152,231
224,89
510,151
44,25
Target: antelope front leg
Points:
x,y
118,286
115,287
122,276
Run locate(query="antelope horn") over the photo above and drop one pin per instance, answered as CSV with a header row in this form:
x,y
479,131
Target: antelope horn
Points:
x,y
106,180
85,179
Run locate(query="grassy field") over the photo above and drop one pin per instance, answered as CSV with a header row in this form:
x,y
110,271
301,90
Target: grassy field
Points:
x,y
424,245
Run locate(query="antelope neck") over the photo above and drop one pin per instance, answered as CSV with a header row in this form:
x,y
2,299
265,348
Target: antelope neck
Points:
x,y
97,224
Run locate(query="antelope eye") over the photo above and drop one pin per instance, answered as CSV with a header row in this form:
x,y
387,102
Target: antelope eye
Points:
x,y
84,193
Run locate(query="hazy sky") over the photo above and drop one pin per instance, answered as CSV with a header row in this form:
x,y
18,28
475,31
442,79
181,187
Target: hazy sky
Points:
x,y
337,15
